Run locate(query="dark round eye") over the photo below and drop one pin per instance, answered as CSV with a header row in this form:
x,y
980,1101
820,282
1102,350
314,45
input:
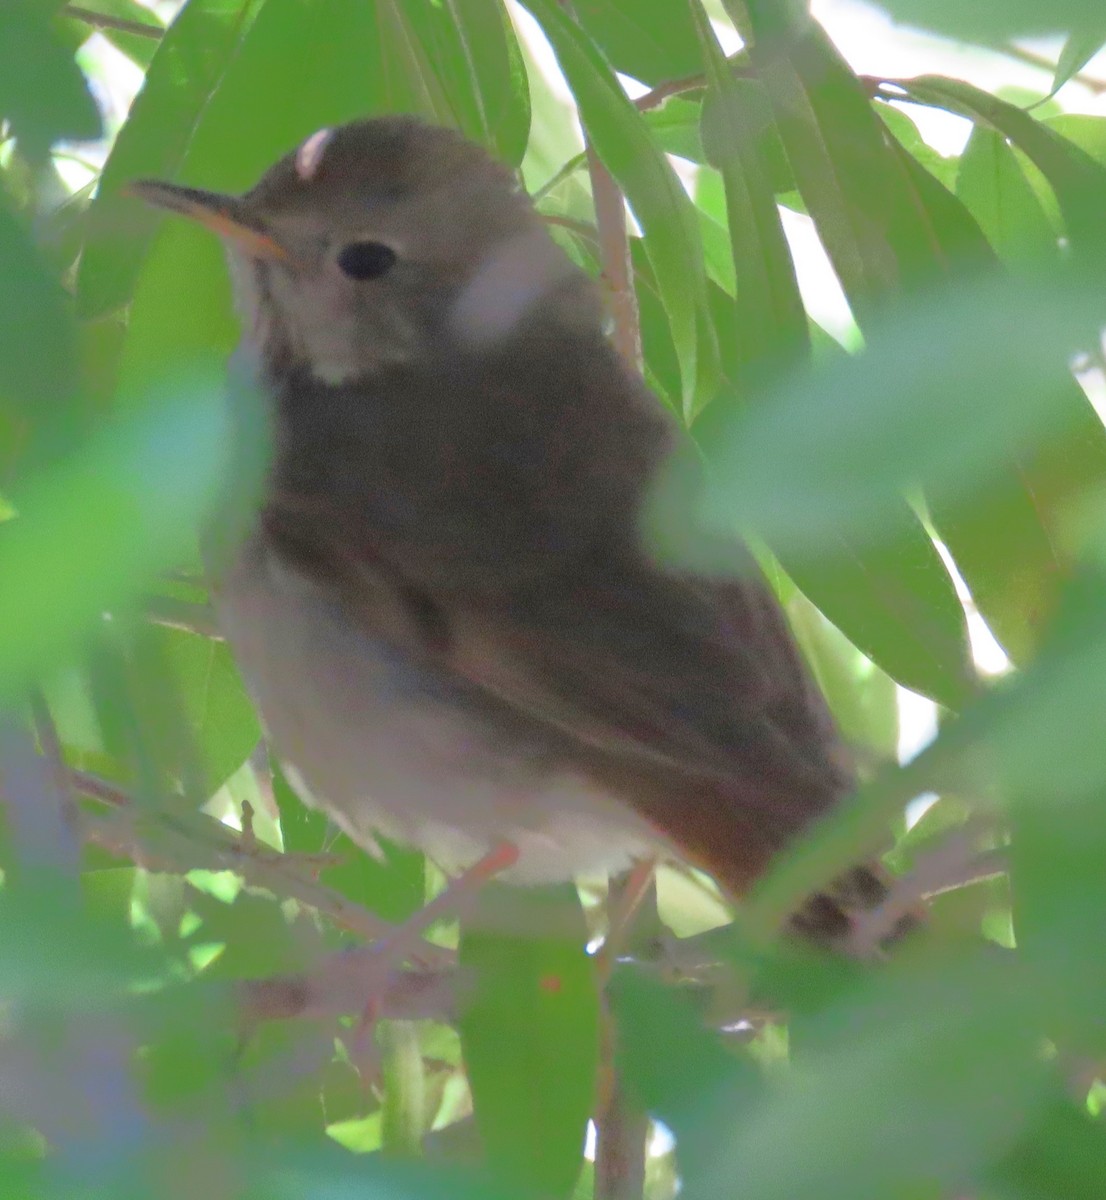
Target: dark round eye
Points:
x,y
365,260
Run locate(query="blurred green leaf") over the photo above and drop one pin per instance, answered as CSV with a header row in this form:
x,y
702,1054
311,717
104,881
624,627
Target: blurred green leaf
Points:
x,y
38,351
1081,46
651,40
828,452
1006,536
1063,1154
861,695
530,1033
96,525
664,210
992,22
852,182
139,48
43,94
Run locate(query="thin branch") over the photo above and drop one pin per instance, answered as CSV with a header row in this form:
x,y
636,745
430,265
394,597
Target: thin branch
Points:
x,y
182,614
952,864
119,24
614,254
1031,59
342,983
50,745
33,792
614,250
655,97
186,841
622,1127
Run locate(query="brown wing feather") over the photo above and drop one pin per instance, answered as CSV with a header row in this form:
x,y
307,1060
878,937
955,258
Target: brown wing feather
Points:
x,y
684,697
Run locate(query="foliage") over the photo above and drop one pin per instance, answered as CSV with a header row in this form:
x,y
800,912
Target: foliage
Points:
x,y
160,876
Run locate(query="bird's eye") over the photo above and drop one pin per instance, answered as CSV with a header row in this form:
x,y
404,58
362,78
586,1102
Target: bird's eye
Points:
x,y
365,260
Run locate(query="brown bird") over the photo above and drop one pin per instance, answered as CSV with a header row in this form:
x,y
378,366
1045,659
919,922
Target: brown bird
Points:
x,y
445,609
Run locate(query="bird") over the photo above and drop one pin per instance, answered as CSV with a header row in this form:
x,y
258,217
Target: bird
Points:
x,y
446,606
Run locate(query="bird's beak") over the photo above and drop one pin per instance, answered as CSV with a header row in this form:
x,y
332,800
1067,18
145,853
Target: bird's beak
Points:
x,y
224,215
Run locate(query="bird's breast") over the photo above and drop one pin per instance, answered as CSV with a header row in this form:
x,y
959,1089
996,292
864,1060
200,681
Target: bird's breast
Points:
x,y
386,744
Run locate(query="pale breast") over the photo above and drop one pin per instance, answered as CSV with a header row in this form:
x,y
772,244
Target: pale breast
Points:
x,y
386,746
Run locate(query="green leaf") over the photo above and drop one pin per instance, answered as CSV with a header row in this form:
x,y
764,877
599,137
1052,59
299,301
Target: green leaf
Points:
x,y
895,602
196,51
38,350
769,314
220,715
530,1034
94,527
992,22
392,886
1081,46
1079,181
861,696
650,40
995,191
471,47
828,452
138,48
43,94
846,169
665,212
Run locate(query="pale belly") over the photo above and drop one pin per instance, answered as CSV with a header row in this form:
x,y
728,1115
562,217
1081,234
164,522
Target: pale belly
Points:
x,y
385,747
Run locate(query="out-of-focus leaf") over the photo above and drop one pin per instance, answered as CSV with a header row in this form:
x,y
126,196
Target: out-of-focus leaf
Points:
x,y
530,1034
941,1084
1081,46
666,214
992,22
92,528
37,336
853,185
1005,538
829,452
910,138
651,40
43,94
139,48
680,1073
1063,1154
889,226
1084,130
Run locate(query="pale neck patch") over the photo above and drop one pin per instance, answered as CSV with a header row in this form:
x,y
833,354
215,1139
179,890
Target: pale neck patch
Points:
x,y
310,155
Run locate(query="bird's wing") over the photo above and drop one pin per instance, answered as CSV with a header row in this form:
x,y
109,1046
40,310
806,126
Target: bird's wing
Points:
x,y
686,697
